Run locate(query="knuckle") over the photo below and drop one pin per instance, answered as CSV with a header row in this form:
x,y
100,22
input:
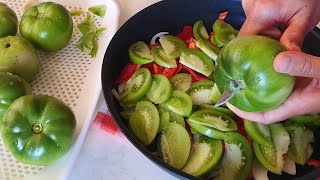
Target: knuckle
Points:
x,y
304,67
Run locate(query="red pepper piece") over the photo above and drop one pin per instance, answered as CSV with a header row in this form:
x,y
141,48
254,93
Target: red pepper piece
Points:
x,y
105,122
313,162
191,43
169,72
211,34
128,70
179,67
196,76
186,33
156,69
223,15
153,45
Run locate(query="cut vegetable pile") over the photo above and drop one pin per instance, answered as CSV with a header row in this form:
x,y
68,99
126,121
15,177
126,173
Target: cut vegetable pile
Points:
x,y
167,93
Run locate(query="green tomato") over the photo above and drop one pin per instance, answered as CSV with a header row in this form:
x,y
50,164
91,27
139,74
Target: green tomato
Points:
x,y
38,129
248,61
51,24
8,21
11,88
18,57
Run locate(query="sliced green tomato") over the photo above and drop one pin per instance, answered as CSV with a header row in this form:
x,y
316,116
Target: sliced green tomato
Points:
x,y
215,94
268,157
220,24
223,36
258,132
300,139
180,103
172,45
197,60
311,121
126,114
140,53
213,41
225,111
144,122
200,91
99,10
181,81
164,119
214,119
136,87
280,137
174,145
199,31
173,117
194,131
161,89
209,49
161,58
237,160
207,131
76,12
205,155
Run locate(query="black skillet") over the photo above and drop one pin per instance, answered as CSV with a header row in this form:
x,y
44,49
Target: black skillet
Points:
x,y
171,16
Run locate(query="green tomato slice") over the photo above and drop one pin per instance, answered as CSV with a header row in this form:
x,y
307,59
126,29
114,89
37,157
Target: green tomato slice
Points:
x,y
181,81
258,132
172,45
173,117
99,10
214,119
200,91
311,121
207,131
300,149
164,119
197,60
199,31
140,53
223,36
215,94
237,160
174,145
205,155
161,58
144,122
209,49
136,87
180,103
280,137
223,110
220,24
161,89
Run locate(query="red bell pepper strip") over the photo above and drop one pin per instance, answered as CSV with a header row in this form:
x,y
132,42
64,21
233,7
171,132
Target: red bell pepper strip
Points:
x,y
128,70
196,76
313,162
169,72
223,15
153,45
179,67
186,33
156,69
211,34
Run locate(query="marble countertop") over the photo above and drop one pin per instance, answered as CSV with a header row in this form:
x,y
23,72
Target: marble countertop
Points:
x,y
112,156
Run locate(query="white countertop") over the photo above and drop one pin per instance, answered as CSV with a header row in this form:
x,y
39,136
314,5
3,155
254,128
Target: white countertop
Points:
x,y
113,157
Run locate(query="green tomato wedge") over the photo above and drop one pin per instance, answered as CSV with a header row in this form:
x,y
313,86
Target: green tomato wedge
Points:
x,y
214,119
172,45
76,12
220,24
140,53
199,31
280,138
144,122
126,114
300,149
164,118
205,155
181,81
223,36
197,60
208,48
136,87
215,94
237,160
207,131
311,121
161,89
200,91
99,10
180,103
161,58
173,117
258,132
223,110
268,157
174,145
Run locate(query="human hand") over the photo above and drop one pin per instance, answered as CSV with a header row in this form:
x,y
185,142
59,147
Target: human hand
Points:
x,y
289,21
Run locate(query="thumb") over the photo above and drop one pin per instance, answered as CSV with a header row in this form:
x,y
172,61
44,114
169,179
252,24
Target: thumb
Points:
x,y
297,63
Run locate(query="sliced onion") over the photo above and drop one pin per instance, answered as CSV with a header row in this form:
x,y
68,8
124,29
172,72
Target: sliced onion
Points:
x,y
290,167
121,87
258,171
154,38
115,94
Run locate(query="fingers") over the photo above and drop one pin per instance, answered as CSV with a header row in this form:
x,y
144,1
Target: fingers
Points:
x,y
251,27
297,64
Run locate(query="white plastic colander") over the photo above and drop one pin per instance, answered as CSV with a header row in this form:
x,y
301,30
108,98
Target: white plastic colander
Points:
x,y
72,76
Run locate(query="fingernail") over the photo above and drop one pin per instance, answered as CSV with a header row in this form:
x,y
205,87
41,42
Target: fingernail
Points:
x,y
282,63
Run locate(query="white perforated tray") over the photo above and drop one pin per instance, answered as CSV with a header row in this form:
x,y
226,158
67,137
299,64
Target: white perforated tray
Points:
x,y
72,76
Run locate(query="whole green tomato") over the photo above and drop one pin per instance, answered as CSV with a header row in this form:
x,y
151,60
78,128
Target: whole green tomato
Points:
x,y
8,21
11,88
19,57
248,61
48,26
38,129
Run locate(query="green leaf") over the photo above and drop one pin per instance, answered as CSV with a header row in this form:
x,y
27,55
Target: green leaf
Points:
x,y
99,10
